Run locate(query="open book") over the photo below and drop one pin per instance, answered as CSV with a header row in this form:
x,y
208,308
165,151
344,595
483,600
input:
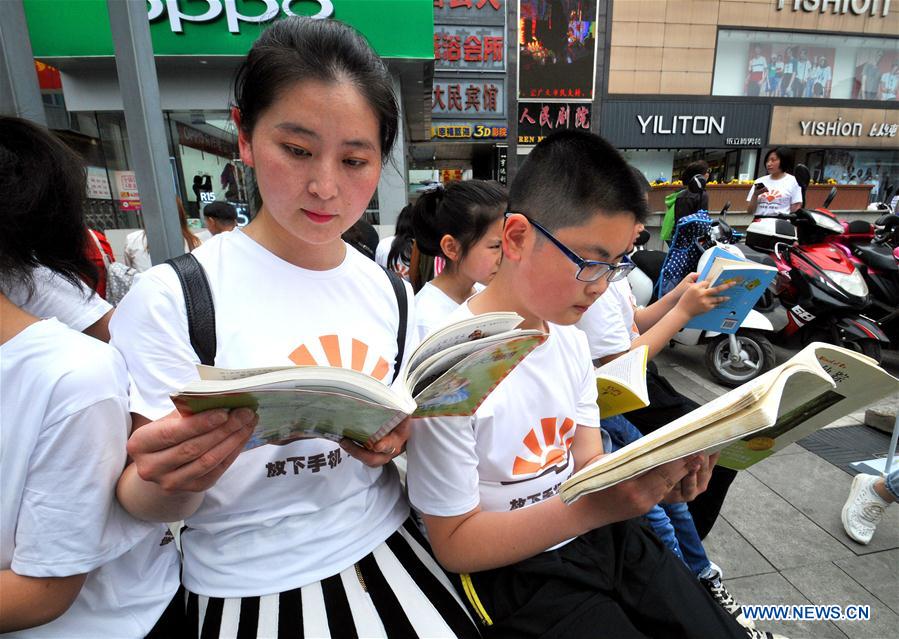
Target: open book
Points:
x,y
753,278
450,373
621,383
813,388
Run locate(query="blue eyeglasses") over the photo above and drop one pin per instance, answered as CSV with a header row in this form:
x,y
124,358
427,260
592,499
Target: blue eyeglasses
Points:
x,y
588,270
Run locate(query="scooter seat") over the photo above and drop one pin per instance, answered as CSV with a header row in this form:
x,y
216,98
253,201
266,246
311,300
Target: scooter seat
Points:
x,y
878,256
650,262
759,258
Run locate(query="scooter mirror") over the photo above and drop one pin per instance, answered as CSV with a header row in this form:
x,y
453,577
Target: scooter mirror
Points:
x,y
830,197
725,209
642,238
803,177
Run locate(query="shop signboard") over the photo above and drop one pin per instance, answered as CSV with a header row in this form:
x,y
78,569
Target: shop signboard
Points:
x,y
492,12
469,98
98,184
502,156
871,128
469,131
126,190
536,120
638,124
75,28
469,48
556,49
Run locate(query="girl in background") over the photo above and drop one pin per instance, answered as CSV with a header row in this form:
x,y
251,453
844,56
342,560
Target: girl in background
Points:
x,y
461,223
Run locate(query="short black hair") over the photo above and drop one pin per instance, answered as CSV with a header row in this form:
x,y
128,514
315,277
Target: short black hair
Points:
x,y
570,176
785,155
42,207
221,211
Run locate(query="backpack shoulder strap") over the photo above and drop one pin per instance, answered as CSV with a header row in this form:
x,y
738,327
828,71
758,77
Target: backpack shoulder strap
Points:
x,y
399,289
200,307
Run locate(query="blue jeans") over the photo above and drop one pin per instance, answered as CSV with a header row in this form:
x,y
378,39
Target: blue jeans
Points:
x,y
892,484
672,523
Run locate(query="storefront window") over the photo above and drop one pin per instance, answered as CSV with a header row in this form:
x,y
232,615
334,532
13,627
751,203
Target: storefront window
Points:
x,y
880,169
667,165
806,65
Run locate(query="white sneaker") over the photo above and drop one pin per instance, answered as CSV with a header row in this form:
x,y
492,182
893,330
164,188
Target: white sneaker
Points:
x,y
715,587
863,509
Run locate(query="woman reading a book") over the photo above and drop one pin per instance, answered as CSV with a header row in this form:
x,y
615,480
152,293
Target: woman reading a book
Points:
x,y
310,536
461,223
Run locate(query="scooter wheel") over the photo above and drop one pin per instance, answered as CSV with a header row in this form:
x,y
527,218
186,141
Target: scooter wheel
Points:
x,y
756,357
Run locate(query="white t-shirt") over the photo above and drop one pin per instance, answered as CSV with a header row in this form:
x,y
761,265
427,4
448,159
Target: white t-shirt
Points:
x,y
137,254
758,64
383,250
55,296
781,194
609,322
281,517
433,308
889,81
65,424
514,451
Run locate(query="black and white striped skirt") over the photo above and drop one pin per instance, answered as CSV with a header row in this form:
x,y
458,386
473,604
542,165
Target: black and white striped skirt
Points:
x,y
398,590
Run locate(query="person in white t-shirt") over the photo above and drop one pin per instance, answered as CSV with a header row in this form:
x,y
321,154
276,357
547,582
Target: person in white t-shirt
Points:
x,y
395,251
758,73
777,192
487,486
45,242
310,537
73,563
461,223
889,81
137,251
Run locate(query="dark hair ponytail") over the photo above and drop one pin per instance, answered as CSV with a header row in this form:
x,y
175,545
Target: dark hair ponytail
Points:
x,y
463,210
43,184
401,247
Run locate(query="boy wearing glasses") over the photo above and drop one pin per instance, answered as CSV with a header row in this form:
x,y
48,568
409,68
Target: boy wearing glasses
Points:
x,y
486,486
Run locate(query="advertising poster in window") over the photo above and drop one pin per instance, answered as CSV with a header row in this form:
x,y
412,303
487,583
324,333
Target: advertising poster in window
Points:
x,y
556,49
789,71
876,75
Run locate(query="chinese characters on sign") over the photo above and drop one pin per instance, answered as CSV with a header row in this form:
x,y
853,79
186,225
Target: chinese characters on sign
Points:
x,y
126,189
476,98
480,10
556,49
469,48
536,120
467,131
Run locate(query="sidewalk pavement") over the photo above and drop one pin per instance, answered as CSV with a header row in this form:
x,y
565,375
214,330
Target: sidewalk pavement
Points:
x,y
780,540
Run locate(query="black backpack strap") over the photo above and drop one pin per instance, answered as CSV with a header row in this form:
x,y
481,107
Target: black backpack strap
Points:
x,y
399,289
200,308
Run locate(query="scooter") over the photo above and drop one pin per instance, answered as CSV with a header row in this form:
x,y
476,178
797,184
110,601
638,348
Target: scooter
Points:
x,y
875,252
731,359
822,290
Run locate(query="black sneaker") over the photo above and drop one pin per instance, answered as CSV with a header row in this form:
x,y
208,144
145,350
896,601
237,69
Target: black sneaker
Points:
x,y
717,589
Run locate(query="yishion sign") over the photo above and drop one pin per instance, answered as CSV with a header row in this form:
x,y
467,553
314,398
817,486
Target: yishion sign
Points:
x,y
645,124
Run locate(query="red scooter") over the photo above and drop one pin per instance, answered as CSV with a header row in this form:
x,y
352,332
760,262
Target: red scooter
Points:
x,y
821,289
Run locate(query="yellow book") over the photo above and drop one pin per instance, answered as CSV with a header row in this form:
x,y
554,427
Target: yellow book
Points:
x,y
621,383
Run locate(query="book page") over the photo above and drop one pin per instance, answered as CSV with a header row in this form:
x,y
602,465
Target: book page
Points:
x,y
621,383
466,330
462,389
285,415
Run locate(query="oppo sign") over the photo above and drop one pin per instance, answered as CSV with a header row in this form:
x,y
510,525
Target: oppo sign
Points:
x,y
232,15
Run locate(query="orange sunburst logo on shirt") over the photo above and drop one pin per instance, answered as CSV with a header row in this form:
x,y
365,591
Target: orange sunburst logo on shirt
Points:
x,y
546,446
333,352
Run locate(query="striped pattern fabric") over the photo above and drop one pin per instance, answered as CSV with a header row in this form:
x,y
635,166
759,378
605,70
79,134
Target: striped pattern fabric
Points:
x,y
396,591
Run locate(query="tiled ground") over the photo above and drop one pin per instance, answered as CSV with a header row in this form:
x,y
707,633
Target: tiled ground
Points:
x,y
780,539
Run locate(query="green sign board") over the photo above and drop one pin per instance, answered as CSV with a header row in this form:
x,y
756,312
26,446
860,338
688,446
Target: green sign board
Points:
x,y
78,28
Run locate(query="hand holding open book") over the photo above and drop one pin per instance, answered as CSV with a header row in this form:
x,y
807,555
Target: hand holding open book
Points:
x,y
816,386
450,373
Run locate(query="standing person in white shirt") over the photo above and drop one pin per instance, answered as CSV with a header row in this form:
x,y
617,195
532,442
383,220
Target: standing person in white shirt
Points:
x,y
823,76
137,251
777,192
888,83
308,538
463,224
758,73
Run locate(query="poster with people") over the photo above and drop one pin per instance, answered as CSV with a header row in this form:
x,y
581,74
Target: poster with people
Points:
x,y
876,75
789,71
556,49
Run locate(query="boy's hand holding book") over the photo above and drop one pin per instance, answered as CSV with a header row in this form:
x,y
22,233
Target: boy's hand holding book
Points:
x,y
699,297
